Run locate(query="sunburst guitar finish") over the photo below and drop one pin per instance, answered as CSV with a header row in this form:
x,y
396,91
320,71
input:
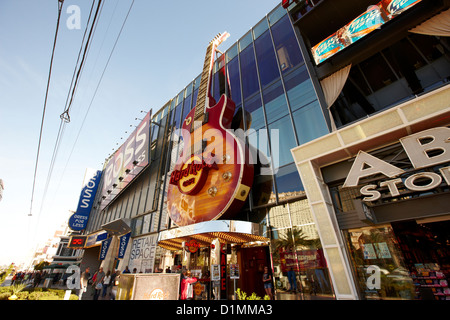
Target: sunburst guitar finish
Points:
x,y
213,175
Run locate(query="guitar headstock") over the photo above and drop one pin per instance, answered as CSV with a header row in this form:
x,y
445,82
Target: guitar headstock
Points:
x,y
218,39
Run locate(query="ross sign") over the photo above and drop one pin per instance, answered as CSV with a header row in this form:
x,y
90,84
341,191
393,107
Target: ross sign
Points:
x,y
123,243
373,18
77,242
78,221
104,248
127,162
425,149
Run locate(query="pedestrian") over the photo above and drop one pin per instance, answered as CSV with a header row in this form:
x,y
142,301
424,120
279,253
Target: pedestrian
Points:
x,y
292,280
126,270
98,283
84,280
106,282
267,280
187,290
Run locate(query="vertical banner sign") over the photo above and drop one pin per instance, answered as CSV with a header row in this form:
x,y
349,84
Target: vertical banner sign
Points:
x,y
223,271
104,248
78,221
123,243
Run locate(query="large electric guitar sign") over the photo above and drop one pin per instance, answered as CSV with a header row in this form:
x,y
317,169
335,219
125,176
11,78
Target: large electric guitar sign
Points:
x,y
130,159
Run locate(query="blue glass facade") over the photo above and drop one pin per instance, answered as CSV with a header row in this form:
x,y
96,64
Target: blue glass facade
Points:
x,y
265,75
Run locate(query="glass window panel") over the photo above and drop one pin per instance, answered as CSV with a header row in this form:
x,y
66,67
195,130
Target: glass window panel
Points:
x,y
282,141
232,52
177,117
275,102
245,41
235,81
267,63
249,74
197,82
260,28
286,45
188,89
310,123
186,107
255,114
375,249
288,182
377,72
219,84
299,88
276,15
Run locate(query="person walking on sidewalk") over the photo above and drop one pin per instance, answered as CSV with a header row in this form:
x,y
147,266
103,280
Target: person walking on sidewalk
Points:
x,y
84,279
98,283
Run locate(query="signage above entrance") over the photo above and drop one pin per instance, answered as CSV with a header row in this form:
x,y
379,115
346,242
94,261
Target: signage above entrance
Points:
x,y
425,149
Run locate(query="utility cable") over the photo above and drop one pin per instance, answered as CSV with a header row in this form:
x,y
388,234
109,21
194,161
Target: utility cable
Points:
x,y
60,4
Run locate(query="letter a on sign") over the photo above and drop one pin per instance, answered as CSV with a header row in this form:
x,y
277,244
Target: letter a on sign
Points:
x,y
366,165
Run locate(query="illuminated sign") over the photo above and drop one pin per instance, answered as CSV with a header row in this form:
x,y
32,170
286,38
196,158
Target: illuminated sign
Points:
x,y
78,221
192,246
77,242
373,18
127,162
424,149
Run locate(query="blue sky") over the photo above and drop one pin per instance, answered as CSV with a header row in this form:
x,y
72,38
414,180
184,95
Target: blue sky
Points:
x,y
161,49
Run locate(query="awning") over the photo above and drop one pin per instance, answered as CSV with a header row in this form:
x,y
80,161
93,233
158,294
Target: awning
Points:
x,y
118,227
227,231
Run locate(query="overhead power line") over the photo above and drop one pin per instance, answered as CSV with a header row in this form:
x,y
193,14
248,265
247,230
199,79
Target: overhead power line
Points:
x,y
60,4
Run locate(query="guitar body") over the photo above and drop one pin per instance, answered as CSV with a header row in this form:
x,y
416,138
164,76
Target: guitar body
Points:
x,y
212,178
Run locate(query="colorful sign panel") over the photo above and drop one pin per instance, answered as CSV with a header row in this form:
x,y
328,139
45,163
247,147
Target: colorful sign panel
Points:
x,y
77,242
78,221
302,260
373,18
123,243
127,162
104,248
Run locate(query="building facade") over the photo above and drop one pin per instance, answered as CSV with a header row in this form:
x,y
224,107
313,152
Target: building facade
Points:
x,y
307,107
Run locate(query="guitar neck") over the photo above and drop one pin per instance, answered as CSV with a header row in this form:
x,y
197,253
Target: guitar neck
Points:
x,y
205,82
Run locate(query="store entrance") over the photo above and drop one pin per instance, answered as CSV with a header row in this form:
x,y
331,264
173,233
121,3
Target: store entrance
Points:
x,y
426,252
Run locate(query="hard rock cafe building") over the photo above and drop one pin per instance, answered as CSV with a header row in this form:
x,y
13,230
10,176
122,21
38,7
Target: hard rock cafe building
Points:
x,y
348,106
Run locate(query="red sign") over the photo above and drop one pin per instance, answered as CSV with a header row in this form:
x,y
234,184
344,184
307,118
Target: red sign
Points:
x,y
77,242
192,246
302,259
223,271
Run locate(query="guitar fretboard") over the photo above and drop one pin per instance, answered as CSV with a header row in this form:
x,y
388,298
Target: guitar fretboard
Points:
x,y
203,90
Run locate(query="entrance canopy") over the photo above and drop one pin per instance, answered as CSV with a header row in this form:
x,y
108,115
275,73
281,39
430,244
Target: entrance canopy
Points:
x,y
227,231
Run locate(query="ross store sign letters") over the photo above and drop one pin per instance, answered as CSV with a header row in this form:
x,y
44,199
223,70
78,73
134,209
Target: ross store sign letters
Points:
x,y
418,147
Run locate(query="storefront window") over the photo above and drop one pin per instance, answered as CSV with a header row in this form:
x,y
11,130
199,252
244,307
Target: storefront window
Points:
x,y
300,268
379,265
